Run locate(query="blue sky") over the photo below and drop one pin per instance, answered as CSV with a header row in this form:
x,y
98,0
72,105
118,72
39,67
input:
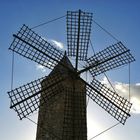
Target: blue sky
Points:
x,y
121,18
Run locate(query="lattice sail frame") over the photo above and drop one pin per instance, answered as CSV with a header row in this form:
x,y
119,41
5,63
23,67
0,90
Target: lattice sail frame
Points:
x,y
32,46
26,99
109,58
78,33
114,104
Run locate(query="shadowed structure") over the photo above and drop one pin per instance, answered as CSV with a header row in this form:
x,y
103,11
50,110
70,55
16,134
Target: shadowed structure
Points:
x,y
64,115
61,96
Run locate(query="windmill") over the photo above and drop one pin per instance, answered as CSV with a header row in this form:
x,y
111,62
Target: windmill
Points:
x,y
61,96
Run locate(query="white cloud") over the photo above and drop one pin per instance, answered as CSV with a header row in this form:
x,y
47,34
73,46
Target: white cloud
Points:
x,y
57,44
123,90
104,81
137,84
136,105
41,68
94,128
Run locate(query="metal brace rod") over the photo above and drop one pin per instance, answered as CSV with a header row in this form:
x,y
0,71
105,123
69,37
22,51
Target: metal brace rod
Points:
x,y
77,51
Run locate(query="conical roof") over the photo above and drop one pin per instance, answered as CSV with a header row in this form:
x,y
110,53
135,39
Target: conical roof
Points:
x,y
64,66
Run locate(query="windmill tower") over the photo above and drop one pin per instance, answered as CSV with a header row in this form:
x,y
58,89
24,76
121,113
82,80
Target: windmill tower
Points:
x,y
61,96
65,113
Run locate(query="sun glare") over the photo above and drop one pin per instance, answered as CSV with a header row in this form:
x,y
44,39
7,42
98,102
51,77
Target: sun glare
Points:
x,y
94,128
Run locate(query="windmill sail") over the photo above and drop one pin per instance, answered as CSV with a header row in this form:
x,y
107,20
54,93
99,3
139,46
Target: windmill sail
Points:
x,y
114,104
26,99
32,46
109,58
78,33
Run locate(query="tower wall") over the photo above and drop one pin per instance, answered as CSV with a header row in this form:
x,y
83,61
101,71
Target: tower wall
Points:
x,y
64,115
